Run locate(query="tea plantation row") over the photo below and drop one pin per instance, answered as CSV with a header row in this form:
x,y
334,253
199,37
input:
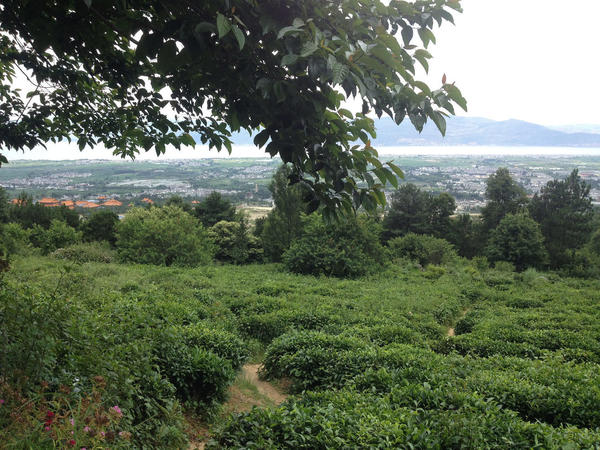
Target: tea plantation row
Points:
x,y
369,359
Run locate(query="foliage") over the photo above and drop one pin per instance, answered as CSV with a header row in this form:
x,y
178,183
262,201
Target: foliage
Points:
x,y
177,200
86,252
14,239
4,205
234,243
415,211
504,197
58,235
60,420
518,240
101,226
423,249
284,222
213,209
99,73
563,208
163,236
370,358
27,213
342,249
466,235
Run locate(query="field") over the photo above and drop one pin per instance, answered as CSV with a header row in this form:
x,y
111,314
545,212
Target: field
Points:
x,y
459,356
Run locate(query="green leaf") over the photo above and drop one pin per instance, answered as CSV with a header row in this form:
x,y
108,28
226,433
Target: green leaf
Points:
x,y
345,113
396,170
426,36
3,159
455,94
407,34
167,56
308,49
379,196
286,30
440,121
205,27
187,139
223,25
240,36
289,59
261,138
422,56
340,72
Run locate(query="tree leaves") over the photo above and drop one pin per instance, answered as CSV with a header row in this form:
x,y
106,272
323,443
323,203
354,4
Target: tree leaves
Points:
x,y
285,78
240,36
223,25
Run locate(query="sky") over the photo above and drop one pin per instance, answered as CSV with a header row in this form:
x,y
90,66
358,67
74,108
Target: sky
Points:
x,y
533,60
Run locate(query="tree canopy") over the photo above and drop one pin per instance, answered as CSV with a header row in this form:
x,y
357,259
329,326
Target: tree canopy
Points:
x,y
141,75
563,208
505,196
415,211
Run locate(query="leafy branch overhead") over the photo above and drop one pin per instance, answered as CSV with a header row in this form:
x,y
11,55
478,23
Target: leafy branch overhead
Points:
x,y
146,74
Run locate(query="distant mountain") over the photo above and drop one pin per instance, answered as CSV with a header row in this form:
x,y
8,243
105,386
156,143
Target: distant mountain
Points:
x,y
472,131
578,128
478,131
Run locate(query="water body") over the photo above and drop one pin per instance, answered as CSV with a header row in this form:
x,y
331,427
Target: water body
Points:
x,y
65,151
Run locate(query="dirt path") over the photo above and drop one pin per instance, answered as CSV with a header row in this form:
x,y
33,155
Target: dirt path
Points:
x,y
247,391
250,372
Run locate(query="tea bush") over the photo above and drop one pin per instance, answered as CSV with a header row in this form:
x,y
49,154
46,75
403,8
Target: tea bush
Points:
x,y
163,236
347,249
86,252
423,249
369,357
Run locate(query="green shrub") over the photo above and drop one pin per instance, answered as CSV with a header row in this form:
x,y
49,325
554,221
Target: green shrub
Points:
x,y
59,235
14,239
234,243
163,236
349,248
518,240
86,252
101,226
423,249
220,342
413,417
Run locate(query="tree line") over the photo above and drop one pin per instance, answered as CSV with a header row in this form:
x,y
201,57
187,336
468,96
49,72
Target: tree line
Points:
x,y
553,229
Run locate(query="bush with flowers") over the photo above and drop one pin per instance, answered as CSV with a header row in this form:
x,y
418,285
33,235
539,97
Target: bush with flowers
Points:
x,y
61,419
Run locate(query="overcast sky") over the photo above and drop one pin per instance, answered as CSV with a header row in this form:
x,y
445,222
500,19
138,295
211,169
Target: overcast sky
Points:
x,y
534,60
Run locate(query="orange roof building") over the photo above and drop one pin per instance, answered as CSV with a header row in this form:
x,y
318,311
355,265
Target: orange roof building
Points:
x,y
81,202
112,202
49,201
90,205
67,203
16,201
102,197
148,200
195,202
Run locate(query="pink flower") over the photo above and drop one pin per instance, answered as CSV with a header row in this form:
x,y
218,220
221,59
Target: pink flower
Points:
x,y
86,429
1,401
72,422
102,433
117,410
47,428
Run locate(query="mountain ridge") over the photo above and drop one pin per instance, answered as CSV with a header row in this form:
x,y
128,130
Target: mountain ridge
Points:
x,y
473,131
